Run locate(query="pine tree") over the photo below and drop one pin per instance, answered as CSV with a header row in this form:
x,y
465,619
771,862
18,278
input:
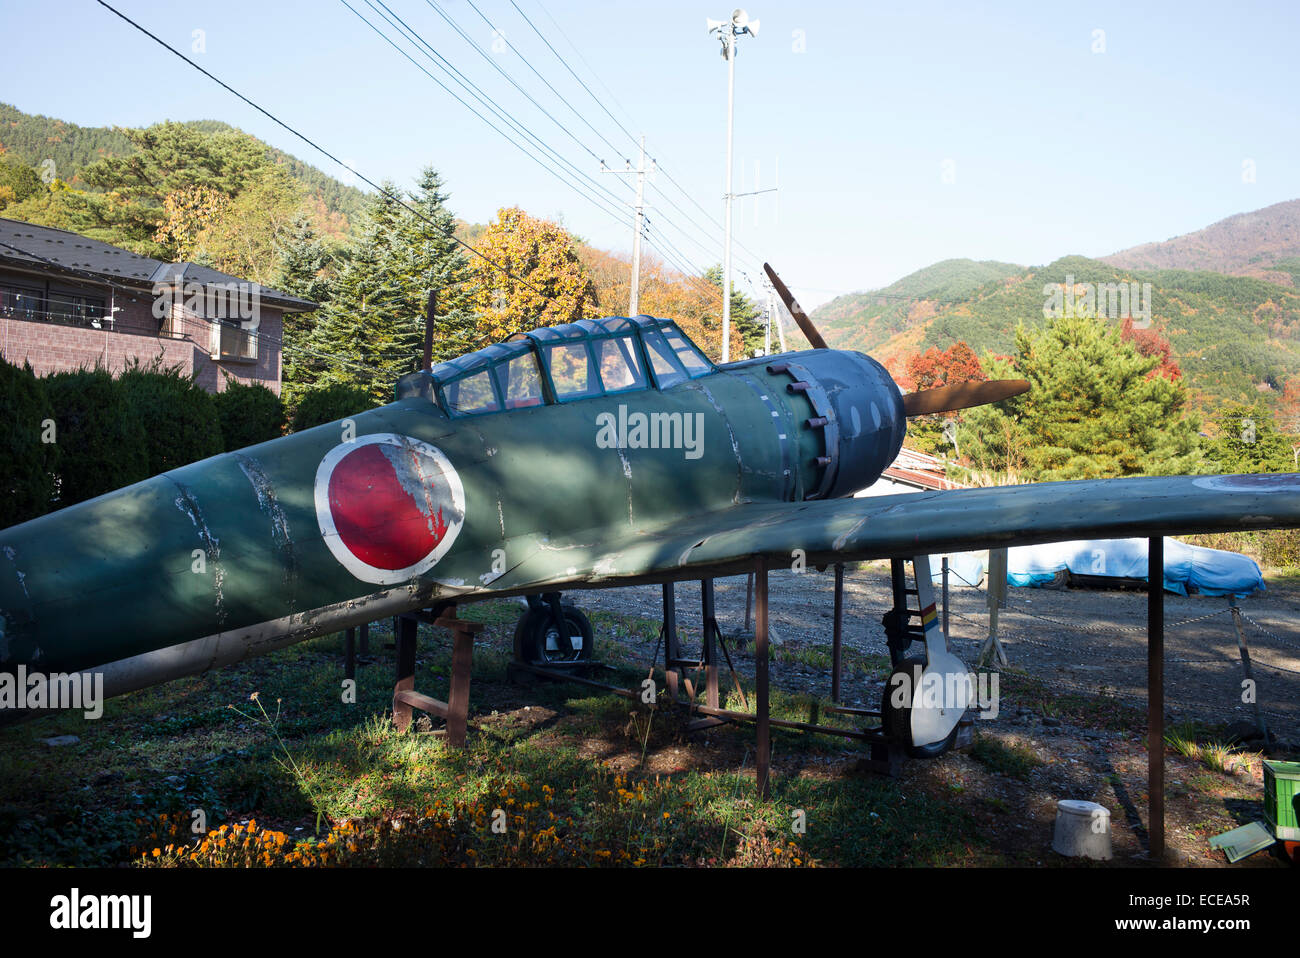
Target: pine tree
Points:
x,y
371,330
1092,410
744,316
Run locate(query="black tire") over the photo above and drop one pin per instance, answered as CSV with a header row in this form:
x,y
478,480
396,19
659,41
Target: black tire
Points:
x,y
535,637
897,721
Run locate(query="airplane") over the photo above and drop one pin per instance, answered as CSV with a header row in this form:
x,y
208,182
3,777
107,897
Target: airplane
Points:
x,y
594,454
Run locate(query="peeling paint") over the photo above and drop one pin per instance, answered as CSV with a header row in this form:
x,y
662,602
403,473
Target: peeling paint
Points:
x,y
269,503
189,506
838,544
407,461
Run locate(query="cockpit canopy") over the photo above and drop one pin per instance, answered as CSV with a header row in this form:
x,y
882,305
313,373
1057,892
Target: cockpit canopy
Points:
x,y
557,364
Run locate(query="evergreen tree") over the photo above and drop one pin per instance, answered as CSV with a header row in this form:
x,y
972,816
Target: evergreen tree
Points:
x,y
371,330
1248,441
1092,410
745,316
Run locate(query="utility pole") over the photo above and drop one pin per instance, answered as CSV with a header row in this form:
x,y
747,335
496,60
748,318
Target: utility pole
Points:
x,y
638,225
728,31
430,312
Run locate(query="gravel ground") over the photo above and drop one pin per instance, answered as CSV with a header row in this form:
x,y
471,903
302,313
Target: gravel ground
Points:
x,y
1077,639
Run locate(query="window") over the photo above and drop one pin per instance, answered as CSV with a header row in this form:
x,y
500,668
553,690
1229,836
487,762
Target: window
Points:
x,y
21,302
75,309
620,367
235,342
668,369
471,395
571,371
520,381
695,363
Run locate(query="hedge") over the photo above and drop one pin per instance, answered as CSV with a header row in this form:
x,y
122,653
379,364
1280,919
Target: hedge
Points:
x,y
29,450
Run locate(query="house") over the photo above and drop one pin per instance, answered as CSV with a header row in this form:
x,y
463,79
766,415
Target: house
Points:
x,y
67,301
912,471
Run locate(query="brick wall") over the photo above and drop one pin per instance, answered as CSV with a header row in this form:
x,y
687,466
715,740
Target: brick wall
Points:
x,y
52,347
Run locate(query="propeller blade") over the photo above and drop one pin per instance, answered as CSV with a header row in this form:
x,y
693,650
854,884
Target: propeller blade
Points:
x,y
961,396
796,310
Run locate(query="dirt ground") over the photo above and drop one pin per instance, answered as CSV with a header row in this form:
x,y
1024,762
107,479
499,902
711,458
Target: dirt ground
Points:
x,y
1078,641
1081,640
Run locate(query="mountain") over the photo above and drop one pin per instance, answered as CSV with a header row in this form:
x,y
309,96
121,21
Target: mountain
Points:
x,y
1235,337
33,139
1264,244
864,321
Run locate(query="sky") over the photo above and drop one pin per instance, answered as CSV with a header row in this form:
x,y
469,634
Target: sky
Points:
x,y
897,134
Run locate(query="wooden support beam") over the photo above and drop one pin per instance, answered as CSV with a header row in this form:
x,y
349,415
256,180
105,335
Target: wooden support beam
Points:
x,y
406,698
763,761
405,639
458,701
1156,697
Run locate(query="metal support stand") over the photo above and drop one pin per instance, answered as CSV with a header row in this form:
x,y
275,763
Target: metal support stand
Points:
x,y
1245,668
405,698
946,634
712,634
837,633
1156,697
672,649
763,759
996,583
349,654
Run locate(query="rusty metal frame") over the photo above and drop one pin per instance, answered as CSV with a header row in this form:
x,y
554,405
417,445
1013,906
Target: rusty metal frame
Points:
x,y
1156,697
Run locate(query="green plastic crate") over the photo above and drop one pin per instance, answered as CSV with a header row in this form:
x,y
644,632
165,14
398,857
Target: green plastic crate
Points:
x,y
1281,786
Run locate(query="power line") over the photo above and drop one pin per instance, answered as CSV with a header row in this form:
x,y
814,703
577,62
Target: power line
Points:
x,y
626,132
497,66
565,63
507,42
276,120
595,199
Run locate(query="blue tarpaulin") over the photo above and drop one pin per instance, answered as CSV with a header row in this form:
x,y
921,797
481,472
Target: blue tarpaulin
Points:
x,y
1209,571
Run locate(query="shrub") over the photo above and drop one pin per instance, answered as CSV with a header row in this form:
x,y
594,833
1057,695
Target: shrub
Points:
x,y
182,419
27,463
248,415
330,403
101,439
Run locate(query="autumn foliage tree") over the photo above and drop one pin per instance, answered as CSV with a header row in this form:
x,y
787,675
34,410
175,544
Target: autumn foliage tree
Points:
x,y
537,280
1150,343
694,303
933,368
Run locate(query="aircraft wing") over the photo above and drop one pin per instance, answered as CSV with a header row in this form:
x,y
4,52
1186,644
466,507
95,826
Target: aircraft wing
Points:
x,y
725,542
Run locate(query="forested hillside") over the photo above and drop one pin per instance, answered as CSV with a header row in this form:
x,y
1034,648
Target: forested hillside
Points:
x,y
1235,337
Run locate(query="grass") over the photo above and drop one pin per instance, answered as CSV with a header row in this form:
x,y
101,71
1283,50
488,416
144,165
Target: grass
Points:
x,y
1205,744
1012,758
578,777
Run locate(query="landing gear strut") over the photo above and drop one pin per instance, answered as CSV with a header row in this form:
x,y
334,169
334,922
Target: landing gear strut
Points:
x,y
552,632
925,702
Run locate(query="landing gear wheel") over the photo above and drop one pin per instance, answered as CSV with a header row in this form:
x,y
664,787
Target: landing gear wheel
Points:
x,y
538,641
896,720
